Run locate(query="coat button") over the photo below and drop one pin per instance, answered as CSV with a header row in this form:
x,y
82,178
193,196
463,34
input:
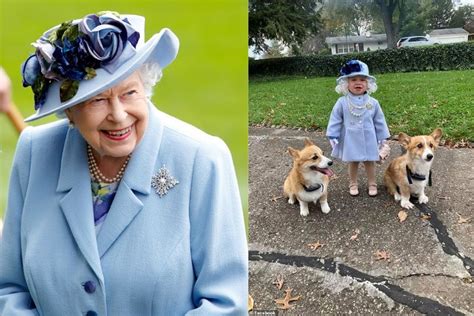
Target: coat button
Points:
x,y
89,287
91,313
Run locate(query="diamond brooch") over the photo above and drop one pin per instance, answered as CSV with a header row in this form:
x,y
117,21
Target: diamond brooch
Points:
x,y
163,181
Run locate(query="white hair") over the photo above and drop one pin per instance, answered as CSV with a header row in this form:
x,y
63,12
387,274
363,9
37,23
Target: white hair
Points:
x,y
342,86
150,74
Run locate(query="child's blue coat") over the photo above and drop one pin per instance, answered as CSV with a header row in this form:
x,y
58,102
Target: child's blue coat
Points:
x,y
358,137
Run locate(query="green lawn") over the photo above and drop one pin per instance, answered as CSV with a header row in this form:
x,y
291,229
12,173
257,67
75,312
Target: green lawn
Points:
x,y
206,85
414,103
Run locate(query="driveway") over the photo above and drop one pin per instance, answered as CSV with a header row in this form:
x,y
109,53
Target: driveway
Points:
x,y
360,258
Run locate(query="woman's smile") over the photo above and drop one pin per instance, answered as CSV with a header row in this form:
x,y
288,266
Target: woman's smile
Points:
x,y
118,134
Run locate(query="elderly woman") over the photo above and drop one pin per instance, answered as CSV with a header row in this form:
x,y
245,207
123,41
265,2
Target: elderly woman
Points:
x,y
119,209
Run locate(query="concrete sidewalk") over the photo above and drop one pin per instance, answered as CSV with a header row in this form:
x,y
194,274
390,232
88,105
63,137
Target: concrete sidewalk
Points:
x,y
430,270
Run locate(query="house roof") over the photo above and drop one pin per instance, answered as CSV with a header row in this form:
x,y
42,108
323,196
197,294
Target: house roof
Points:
x,y
449,31
357,39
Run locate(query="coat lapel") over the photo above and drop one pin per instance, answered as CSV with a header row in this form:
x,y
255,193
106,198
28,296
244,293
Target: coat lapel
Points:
x,y
76,204
137,178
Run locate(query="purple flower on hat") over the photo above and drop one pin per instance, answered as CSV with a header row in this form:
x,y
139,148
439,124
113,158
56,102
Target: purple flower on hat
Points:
x,y
44,54
350,67
72,52
106,37
30,69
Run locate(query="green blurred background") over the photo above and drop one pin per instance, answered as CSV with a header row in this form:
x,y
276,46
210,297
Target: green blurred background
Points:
x,y
205,86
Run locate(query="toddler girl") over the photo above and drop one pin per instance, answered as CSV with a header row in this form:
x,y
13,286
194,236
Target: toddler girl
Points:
x,y
357,129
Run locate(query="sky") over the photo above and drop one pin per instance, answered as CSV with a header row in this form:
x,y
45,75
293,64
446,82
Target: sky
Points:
x,y
465,2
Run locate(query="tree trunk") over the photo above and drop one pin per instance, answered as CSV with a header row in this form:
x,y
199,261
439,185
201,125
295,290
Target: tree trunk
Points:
x,y
387,10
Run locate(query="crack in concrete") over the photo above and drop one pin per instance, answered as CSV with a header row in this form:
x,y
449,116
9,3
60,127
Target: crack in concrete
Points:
x,y
416,275
395,292
447,243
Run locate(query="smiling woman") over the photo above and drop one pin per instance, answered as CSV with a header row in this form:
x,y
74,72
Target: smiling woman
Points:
x,y
121,208
113,122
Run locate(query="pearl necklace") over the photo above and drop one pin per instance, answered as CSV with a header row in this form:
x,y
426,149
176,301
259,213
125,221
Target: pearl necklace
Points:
x,y
97,174
352,106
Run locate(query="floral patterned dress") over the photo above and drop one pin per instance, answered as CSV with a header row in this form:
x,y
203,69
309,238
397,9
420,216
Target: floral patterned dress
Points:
x,y
102,196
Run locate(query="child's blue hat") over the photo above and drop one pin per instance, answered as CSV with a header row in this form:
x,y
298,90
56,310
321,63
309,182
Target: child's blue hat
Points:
x,y
79,59
354,68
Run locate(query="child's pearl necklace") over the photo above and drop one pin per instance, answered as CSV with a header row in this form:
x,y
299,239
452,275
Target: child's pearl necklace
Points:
x,y
97,174
352,106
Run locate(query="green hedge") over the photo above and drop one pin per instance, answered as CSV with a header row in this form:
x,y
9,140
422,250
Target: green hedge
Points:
x,y
438,57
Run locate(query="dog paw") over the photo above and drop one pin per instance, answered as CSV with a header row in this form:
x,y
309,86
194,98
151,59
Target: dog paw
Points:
x,y
407,204
423,199
304,213
397,197
325,208
291,201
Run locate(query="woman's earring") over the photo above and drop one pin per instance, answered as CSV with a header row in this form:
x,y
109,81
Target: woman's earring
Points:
x,y
71,124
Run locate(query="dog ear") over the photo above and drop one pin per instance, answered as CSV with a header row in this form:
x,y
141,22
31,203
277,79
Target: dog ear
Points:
x,y
293,152
308,142
404,139
437,133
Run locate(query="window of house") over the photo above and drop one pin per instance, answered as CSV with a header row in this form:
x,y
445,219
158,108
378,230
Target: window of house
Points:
x,y
345,48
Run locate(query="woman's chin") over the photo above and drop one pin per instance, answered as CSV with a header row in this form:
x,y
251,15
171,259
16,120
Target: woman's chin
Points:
x,y
119,151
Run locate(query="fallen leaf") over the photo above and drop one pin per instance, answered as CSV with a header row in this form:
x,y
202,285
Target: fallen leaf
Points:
x,y
276,198
468,280
250,303
285,302
425,216
402,216
356,235
463,220
315,245
279,282
382,255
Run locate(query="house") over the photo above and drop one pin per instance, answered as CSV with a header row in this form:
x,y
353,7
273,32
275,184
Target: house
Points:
x,y
448,36
362,43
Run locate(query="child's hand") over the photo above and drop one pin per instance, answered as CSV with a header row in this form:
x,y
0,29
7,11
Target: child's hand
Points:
x,y
384,151
333,142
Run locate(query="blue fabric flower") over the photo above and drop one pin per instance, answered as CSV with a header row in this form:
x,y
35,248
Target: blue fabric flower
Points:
x,y
350,67
30,70
106,37
45,55
72,52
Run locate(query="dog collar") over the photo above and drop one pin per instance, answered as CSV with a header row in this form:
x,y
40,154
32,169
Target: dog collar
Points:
x,y
313,188
417,177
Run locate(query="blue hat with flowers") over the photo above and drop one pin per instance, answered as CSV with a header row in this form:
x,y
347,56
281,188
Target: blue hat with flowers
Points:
x,y
354,68
79,59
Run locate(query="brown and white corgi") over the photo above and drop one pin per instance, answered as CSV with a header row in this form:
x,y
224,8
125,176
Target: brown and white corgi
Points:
x,y
409,174
308,180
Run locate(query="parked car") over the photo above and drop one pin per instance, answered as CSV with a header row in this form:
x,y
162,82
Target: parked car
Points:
x,y
413,41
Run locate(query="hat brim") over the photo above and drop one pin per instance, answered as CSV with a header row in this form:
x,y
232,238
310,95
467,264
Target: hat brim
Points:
x,y
161,48
354,74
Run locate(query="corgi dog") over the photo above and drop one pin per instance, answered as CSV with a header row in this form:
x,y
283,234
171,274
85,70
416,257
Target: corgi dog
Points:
x,y
309,178
409,174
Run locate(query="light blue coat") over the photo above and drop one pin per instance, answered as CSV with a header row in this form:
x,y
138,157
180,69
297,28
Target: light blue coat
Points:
x,y
182,254
358,137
